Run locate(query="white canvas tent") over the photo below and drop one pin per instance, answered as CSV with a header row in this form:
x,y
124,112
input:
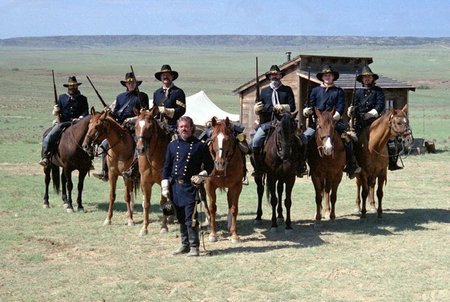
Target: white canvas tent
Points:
x,y
201,109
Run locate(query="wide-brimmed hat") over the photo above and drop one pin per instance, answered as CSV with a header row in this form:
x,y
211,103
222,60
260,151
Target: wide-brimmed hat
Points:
x,y
328,69
72,81
366,71
166,68
129,77
273,70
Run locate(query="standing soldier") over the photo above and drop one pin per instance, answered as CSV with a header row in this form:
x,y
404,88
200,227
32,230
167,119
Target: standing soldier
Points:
x,y
326,97
369,105
122,109
276,98
186,163
71,107
170,99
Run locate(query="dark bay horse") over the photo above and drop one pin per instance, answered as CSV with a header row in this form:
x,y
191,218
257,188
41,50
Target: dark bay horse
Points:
x,y
228,173
69,156
152,141
119,156
281,159
372,155
326,159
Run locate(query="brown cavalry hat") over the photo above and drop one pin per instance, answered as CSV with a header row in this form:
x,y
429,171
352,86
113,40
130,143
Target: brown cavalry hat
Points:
x,y
273,70
72,81
366,71
328,69
166,68
129,77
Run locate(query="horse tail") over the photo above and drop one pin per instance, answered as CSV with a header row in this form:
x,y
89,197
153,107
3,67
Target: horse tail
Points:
x,y
136,185
55,177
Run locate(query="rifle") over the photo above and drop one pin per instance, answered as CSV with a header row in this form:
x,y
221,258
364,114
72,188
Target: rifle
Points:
x,y
58,117
137,89
308,119
257,82
98,94
352,118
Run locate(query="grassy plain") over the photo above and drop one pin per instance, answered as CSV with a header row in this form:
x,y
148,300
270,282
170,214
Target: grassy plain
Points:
x,y
50,255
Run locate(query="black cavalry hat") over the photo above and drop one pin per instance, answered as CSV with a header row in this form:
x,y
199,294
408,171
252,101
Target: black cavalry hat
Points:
x,y
274,69
129,77
72,81
166,68
366,71
328,69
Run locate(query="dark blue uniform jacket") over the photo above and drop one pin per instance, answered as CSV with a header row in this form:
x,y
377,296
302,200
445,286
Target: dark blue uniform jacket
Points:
x,y
176,99
126,101
285,97
72,106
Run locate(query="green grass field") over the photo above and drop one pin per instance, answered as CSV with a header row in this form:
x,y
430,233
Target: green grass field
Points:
x,y
49,255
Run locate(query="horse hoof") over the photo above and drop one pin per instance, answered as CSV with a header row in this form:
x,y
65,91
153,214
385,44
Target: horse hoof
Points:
x,y
130,223
280,220
65,205
163,230
81,210
373,210
357,211
212,238
273,229
46,206
235,240
107,222
69,210
143,232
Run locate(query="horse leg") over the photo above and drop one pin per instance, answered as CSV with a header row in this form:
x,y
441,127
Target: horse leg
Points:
x,y
381,180
112,197
211,191
81,177
233,200
129,199
358,196
318,191
372,208
333,198
364,194
327,189
280,189
146,194
47,179
64,189
260,191
288,202
273,201
69,208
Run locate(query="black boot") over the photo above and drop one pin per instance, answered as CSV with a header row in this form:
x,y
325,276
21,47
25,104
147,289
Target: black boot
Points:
x,y
45,161
103,175
351,168
259,162
393,156
184,247
302,170
133,171
194,241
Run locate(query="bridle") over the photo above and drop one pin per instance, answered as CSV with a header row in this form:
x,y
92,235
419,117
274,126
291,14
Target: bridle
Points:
x,y
229,156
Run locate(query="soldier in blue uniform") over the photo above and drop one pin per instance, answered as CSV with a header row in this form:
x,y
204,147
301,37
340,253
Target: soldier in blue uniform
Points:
x,y
71,107
170,99
326,97
186,163
276,98
122,109
369,105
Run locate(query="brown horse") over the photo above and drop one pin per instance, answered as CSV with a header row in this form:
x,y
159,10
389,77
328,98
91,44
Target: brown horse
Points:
x,y
152,141
228,173
326,159
69,156
372,155
281,159
119,156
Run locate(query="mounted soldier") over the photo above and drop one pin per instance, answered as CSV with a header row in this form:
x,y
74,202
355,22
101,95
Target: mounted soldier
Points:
x,y
70,107
327,97
369,105
123,110
275,99
170,99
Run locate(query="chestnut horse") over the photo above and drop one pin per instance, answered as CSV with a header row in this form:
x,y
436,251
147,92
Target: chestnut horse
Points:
x,y
228,173
326,159
281,159
372,155
152,141
119,156
69,156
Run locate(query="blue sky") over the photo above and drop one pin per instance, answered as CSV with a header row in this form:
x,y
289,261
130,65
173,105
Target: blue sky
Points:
x,y
421,18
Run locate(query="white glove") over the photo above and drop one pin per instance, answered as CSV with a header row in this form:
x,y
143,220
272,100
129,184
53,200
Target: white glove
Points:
x,y
165,188
371,114
130,120
162,109
199,179
336,116
351,110
258,107
167,111
56,110
282,108
307,111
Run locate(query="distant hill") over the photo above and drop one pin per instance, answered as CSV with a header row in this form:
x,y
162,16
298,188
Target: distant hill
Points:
x,y
215,40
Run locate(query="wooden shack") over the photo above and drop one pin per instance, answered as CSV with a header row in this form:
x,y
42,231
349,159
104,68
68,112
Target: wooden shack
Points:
x,y
296,73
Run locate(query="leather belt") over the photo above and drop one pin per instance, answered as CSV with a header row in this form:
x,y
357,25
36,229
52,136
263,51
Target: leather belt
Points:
x,y
181,181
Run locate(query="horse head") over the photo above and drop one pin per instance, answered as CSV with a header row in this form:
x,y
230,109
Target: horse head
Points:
x,y
285,129
223,144
145,128
398,122
97,130
325,132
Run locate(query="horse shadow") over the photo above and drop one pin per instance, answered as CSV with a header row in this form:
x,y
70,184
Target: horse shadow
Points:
x,y
121,206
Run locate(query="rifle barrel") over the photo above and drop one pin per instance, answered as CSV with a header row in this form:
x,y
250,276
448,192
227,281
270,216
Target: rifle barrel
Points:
x,y
96,92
